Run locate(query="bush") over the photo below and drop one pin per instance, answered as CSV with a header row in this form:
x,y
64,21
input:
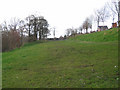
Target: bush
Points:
x,y
31,38
10,40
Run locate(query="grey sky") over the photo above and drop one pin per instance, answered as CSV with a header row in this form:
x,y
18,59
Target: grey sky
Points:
x,y
61,14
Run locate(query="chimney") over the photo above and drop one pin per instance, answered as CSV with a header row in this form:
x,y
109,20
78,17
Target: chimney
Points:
x,y
114,25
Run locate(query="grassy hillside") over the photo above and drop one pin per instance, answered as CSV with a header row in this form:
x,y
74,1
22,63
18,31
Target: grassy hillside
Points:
x,y
62,64
103,36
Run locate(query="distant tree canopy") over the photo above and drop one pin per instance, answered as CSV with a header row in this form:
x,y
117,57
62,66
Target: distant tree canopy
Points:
x,y
71,31
37,25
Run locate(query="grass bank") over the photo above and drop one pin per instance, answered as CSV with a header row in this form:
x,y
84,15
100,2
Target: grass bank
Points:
x,y
73,63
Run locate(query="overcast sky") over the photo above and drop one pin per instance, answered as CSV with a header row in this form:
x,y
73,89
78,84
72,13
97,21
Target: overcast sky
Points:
x,y
61,14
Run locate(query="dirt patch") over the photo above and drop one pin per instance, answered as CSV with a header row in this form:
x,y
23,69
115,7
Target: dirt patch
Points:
x,y
91,65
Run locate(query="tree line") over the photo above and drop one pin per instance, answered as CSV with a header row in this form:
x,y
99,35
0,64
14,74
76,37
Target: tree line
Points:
x,y
109,10
34,27
17,32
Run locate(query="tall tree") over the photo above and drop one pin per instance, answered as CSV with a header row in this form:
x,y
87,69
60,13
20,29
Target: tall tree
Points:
x,y
114,8
10,35
14,23
87,24
68,32
91,18
29,24
97,16
21,29
104,14
42,27
38,24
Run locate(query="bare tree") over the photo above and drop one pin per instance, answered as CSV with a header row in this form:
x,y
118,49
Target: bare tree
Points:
x,y
80,29
29,24
91,18
17,25
114,8
76,30
54,32
14,32
21,29
68,32
4,26
14,23
10,36
113,16
87,24
97,16
71,31
104,14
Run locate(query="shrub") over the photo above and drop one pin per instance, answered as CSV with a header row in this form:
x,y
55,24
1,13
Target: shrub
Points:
x,y
10,40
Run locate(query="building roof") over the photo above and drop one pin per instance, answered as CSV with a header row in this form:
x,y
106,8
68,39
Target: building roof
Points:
x,y
102,27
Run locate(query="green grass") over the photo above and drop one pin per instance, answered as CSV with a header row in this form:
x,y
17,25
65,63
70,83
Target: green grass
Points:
x,y
103,36
62,64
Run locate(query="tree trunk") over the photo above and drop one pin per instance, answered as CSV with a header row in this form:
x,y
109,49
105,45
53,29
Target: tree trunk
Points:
x,y
98,21
21,37
35,33
29,30
86,30
40,34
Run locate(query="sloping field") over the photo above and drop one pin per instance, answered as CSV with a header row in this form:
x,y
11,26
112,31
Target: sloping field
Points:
x,y
103,36
73,63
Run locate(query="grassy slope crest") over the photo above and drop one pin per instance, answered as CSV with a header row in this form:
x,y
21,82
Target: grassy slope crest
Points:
x,y
103,36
